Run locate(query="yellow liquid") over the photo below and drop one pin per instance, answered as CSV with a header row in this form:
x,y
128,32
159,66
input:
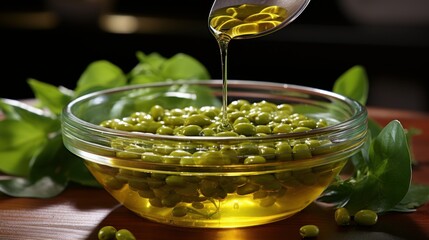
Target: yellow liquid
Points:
x,y
148,195
245,20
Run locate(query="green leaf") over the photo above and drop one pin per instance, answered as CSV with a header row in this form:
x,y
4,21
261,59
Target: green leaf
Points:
x,y
19,141
46,178
100,74
78,173
389,172
148,69
49,96
353,84
183,66
60,164
20,111
417,195
146,78
337,193
411,132
361,159
374,127
153,61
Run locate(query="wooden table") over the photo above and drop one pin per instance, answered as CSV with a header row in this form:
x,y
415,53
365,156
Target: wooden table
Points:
x,y
79,212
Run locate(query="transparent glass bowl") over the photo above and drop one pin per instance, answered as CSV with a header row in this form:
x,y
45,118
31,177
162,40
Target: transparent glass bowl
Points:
x,y
215,195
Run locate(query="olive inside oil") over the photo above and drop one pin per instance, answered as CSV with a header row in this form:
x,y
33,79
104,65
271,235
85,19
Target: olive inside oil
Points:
x,y
239,21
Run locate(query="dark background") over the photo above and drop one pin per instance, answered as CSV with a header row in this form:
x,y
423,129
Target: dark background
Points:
x,y
54,40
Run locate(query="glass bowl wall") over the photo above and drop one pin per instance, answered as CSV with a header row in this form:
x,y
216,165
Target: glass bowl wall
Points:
x,y
150,182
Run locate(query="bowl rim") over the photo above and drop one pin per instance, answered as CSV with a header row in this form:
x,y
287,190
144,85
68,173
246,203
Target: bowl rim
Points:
x,y
360,111
353,123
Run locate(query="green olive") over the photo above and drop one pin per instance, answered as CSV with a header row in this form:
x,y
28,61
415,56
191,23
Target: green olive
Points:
x,y
267,202
164,130
121,125
124,234
157,112
209,111
321,123
282,128
174,120
309,123
198,119
254,160
342,216
285,107
171,200
301,129
127,155
235,115
248,148
113,183
176,156
283,151
212,158
208,132
237,104
241,120
309,231
227,134
151,157
262,118
248,188
263,129
175,181
107,233
246,129
179,211
301,151
366,217
191,130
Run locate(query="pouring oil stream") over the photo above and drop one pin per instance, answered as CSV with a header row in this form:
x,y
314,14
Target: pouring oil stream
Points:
x,y
243,20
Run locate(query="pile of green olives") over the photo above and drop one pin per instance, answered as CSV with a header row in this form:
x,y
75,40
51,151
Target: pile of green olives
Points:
x,y
244,120
110,233
363,217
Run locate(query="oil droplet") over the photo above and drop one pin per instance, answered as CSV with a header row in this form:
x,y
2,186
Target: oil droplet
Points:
x,y
236,205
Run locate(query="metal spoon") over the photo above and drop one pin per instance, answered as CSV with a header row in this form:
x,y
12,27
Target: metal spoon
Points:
x,y
242,19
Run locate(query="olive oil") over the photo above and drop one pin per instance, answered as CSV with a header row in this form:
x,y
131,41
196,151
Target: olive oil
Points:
x,y
274,196
241,21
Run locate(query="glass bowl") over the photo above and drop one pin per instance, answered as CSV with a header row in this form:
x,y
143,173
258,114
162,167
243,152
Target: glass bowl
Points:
x,y
208,181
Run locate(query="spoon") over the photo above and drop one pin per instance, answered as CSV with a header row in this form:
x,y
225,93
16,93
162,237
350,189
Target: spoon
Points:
x,y
244,19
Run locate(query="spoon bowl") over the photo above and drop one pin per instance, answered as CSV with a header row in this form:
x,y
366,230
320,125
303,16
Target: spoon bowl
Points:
x,y
243,19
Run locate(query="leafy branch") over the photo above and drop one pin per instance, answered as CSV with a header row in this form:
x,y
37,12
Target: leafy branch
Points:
x,y
381,180
31,149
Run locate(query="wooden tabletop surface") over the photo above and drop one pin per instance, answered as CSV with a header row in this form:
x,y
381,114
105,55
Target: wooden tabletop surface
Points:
x,y
79,212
